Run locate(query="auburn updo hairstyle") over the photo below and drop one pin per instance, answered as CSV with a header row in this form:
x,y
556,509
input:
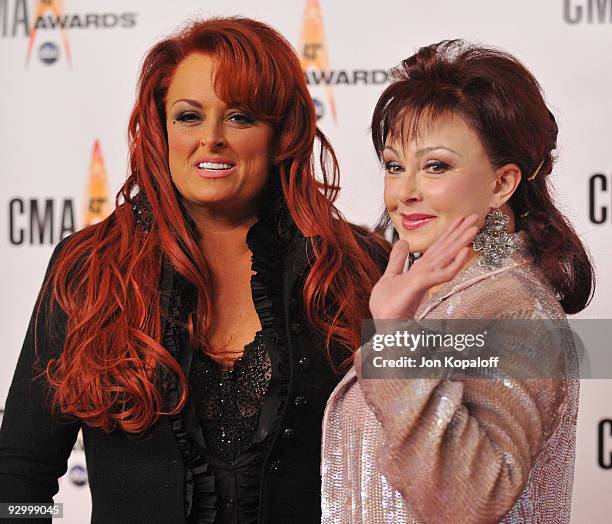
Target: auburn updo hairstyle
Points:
x,y
503,103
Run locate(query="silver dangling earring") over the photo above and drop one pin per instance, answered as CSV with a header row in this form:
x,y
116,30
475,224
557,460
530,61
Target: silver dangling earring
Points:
x,y
494,242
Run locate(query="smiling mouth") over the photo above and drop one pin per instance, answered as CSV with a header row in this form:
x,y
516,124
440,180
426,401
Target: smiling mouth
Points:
x,y
215,169
214,166
416,222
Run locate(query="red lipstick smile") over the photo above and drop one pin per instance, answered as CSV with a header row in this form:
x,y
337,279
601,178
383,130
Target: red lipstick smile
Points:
x,y
412,221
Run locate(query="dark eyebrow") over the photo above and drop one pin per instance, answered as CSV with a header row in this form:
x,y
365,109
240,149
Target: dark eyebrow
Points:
x,y
424,150
191,102
421,152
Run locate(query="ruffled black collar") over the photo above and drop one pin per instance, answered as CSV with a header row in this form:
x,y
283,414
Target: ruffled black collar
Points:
x,y
269,239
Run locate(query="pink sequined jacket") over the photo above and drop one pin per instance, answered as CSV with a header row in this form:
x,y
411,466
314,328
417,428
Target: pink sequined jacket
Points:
x,y
456,451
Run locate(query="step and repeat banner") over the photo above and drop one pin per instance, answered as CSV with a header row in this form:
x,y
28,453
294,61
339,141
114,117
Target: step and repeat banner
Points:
x,y
68,76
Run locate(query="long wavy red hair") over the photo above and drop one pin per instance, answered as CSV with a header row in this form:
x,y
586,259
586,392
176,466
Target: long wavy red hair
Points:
x,y
106,278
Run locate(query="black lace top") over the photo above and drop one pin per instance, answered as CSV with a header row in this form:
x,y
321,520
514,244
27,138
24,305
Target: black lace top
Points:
x,y
228,401
226,429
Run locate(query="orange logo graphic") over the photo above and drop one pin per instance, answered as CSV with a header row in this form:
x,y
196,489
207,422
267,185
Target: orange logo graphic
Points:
x,y
313,51
43,7
97,205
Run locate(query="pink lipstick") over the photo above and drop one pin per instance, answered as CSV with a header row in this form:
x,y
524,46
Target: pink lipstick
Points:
x,y
412,221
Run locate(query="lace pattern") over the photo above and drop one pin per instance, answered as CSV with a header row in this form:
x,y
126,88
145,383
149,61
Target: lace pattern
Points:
x,y
228,401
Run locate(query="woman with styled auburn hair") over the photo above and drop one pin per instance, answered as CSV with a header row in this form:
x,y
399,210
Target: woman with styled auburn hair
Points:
x,y
196,333
467,143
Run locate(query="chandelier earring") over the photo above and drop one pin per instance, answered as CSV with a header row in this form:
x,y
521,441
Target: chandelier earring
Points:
x,y
494,242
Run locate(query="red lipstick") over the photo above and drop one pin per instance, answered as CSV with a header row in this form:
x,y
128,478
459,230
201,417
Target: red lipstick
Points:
x,y
412,221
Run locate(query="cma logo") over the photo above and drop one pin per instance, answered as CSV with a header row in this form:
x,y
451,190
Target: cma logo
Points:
x,y
600,198
604,448
588,11
39,222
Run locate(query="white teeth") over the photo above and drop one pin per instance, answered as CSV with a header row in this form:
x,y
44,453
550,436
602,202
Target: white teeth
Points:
x,y
214,165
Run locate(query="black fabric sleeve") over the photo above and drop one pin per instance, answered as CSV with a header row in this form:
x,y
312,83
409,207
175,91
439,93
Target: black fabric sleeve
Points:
x,y
34,446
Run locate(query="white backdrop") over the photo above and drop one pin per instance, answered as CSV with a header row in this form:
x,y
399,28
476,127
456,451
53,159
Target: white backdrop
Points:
x,y
75,88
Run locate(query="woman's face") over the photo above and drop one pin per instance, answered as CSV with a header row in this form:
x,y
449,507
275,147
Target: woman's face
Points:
x,y
436,176
219,156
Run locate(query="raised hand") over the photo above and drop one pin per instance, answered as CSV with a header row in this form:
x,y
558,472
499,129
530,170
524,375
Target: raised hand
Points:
x,y
397,295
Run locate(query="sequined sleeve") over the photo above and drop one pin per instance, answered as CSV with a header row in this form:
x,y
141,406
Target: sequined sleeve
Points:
x,y
462,449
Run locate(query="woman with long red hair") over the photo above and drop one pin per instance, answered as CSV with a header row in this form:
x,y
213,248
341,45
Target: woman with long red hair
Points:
x,y
195,334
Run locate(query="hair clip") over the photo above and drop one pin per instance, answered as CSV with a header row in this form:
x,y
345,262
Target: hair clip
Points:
x,y
535,173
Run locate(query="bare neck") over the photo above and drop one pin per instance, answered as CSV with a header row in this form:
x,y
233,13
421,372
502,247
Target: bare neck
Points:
x,y
222,236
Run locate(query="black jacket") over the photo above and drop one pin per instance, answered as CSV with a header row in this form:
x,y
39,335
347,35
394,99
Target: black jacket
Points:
x,y
144,480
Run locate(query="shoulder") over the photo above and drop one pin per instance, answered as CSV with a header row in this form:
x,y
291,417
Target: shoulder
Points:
x,y
71,257
61,249
522,290
68,245
85,241
367,242
531,292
